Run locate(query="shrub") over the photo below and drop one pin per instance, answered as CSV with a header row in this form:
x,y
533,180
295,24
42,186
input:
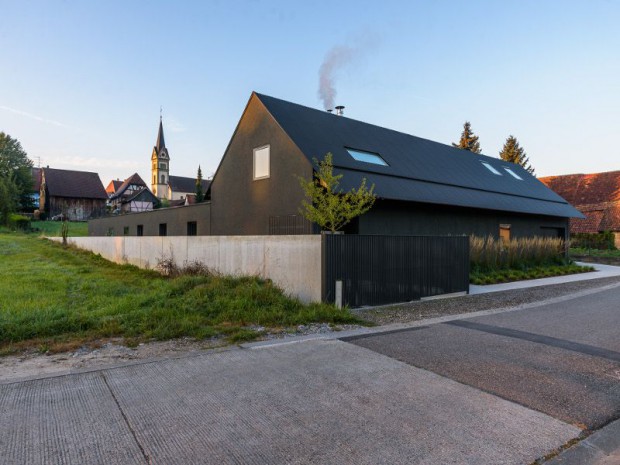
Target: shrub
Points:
x,y
19,222
601,241
488,253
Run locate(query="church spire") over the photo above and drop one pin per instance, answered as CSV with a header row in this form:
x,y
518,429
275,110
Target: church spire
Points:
x,y
161,144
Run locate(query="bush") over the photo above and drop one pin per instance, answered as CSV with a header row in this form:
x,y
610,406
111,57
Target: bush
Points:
x,y
601,241
19,222
489,254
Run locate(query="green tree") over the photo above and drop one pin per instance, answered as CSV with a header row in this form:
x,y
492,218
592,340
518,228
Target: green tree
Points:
x,y
199,194
468,141
327,205
9,198
16,167
514,153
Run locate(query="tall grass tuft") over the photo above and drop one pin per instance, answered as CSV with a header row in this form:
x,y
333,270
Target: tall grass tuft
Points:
x,y
491,254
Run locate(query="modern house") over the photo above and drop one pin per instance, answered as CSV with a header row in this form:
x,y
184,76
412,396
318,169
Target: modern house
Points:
x,y
77,195
132,195
596,195
422,187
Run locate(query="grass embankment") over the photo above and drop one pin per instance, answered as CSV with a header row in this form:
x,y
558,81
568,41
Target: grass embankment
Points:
x,y
52,228
609,257
495,261
59,298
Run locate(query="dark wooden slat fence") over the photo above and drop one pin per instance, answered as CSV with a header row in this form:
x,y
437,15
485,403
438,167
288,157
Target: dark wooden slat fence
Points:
x,y
377,270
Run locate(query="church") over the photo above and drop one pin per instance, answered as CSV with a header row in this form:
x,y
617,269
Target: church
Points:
x,y
177,190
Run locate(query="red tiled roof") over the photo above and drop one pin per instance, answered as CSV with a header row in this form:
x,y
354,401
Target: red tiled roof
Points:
x,y
596,195
113,186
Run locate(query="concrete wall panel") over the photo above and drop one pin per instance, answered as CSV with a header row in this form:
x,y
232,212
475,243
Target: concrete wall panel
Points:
x,y
291,262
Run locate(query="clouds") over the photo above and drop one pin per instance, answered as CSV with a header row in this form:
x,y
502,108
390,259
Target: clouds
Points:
x,y
34,117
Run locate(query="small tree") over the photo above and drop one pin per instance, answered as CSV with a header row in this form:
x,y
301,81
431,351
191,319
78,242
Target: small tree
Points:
x,y
9,198
326,205
468,141
514,153
199,194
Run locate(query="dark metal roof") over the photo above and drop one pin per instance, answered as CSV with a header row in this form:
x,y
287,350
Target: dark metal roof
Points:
x,y
418,170
183,184
73,184
161,144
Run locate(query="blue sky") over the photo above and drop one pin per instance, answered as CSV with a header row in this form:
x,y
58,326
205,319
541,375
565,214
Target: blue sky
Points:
x,y
81,82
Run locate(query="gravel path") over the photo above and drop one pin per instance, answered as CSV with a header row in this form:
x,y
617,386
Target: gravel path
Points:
x,y
413,311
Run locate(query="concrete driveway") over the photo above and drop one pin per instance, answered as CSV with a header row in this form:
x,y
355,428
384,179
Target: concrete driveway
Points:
x,y
499,389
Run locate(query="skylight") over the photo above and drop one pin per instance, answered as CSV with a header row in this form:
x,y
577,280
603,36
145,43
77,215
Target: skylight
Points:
x,y
513,174
490,168
367,157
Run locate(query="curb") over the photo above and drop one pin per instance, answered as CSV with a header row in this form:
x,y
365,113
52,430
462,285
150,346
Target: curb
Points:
x,y
600,448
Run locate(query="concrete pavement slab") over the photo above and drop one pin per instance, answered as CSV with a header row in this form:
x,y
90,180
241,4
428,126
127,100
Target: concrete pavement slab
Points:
x,y
601,448
64,420
312,402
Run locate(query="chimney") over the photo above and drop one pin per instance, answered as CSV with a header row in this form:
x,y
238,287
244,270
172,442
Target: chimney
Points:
x,y
330,110
340,110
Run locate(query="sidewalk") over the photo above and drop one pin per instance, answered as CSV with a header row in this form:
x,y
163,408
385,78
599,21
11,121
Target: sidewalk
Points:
x,y
602,271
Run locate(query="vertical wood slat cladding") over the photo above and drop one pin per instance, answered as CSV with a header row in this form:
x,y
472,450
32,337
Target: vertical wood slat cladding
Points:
x,y
377,270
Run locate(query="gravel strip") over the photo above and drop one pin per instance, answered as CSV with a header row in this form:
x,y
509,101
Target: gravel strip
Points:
x,y
419,310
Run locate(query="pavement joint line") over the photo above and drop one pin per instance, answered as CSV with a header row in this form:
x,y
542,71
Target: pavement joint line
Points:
x,y
147,459
539,339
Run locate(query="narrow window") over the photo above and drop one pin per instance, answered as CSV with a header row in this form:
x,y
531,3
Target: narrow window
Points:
x,y
140,230
126,231
163,179
162,166
163,229
504,233
154,179
513,174
490,168
261,162
192,228
367,157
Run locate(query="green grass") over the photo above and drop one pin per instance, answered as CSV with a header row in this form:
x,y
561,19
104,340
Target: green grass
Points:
x,y
52,228
578,252
509,275
54,297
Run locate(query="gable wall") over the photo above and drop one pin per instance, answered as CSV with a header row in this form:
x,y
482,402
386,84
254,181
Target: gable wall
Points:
x,y
241,205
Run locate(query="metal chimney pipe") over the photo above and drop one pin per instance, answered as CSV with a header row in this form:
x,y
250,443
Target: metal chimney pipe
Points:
x,y
340,110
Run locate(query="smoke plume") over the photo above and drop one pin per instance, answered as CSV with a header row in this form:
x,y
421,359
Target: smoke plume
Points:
x,y
337,58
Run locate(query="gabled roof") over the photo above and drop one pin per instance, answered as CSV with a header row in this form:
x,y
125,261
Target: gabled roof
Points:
x,y
133,180
586,189
36,179
113,186
184,184
143,194
73,184
417,170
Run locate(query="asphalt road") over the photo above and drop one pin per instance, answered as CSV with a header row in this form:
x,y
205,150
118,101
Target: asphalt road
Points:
x,y
561,359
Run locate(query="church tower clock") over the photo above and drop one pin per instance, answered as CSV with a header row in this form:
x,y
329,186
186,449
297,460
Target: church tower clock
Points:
x,y
160,165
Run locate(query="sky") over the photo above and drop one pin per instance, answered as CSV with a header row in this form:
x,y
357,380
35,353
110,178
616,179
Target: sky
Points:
x,y
82,82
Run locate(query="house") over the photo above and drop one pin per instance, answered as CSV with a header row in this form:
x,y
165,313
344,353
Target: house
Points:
x,y
422,187
132,195
179,187
113,187
78,195
596,195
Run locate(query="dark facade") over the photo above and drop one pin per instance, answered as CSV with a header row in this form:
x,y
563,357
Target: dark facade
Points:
x,y
242,205
178,221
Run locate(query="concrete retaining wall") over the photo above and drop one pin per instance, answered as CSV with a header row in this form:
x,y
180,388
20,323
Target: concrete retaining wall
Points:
x,y
291,262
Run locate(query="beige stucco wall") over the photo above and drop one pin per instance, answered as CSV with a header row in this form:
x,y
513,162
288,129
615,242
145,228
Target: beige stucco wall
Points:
x,y
291,262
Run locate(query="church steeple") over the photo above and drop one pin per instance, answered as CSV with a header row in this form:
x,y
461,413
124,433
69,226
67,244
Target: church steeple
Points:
x,y
160,162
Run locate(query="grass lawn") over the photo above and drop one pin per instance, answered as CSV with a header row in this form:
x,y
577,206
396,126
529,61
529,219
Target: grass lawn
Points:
x,y
52,228
59,298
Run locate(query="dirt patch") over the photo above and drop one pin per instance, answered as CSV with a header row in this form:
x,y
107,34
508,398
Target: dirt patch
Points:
x,y
109,353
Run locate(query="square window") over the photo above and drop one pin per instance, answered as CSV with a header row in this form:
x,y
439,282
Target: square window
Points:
x,y
126,231
504,233
163,229
261,162
140,230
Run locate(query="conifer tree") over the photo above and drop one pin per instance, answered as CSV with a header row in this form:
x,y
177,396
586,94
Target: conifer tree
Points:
x,y
514,153
468,141
199,194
